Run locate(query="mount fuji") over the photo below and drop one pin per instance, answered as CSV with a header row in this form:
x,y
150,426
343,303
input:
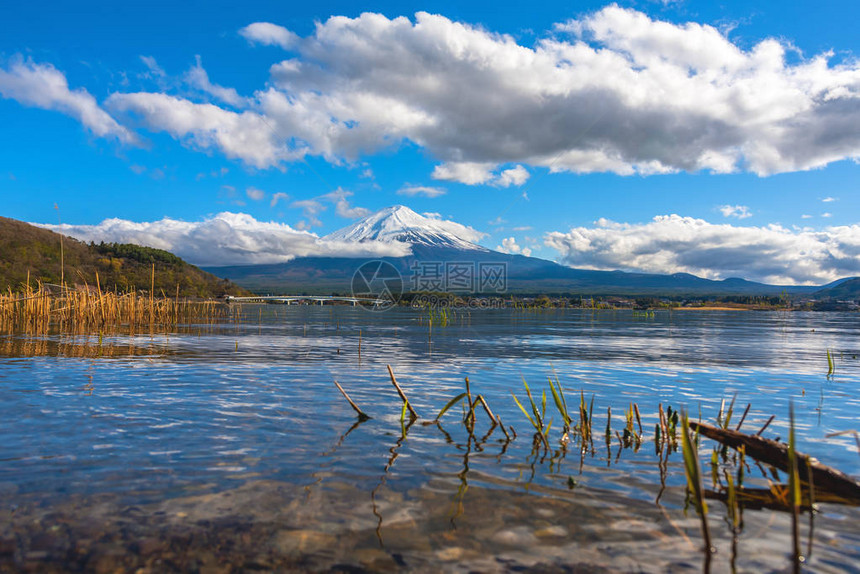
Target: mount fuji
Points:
x,y
441,244
399,223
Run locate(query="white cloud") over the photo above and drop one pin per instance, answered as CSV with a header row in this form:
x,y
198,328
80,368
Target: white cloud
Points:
x,y
269,34
43,86
674,244
227,239
255,194
826,214
806,216
614,91
421,190
830,199
310,209
344,209
739,211
480,173
625,94
516,176
277,197
155,71
342,206
470,173
198,78
509,245
246,135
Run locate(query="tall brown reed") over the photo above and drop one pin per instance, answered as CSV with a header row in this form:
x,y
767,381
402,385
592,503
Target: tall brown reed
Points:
x,y
35,310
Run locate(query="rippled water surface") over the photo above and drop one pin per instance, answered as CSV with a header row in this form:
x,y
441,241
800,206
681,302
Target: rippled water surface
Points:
x,y
229,447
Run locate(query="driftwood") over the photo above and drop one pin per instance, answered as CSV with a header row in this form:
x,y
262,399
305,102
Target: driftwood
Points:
x,y
362,416
402,394
777,498
775,454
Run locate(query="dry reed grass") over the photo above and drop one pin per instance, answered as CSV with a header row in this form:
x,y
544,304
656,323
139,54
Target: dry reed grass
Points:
x,y
88,309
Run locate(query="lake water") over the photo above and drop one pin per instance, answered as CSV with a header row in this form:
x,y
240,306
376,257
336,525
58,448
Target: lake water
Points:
x,y
227,447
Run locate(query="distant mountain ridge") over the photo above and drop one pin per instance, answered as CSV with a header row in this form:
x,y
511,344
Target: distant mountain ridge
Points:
x,y
441,244
843,289
34,253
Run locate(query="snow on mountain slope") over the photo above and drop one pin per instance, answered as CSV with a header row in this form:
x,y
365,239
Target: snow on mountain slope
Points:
x,y
401,224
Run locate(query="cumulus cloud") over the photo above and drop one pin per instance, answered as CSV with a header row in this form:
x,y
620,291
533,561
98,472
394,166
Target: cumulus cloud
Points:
x,y
227,239
477,173
269,34
43,86
238,135
509,245
613,91
830,199
673,244
421,190
739,211
470,173
198,78
515,176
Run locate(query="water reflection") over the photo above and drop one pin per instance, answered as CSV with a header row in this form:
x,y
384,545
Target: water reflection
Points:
x,y
195,437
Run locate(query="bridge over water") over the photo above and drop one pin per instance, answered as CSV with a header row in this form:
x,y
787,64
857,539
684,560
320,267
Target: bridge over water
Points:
x,y
322,299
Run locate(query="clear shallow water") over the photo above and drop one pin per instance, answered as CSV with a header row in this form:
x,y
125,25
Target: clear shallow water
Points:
x,y
219,430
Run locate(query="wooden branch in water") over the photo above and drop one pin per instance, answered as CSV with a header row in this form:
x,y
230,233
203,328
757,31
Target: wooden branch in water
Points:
x,y
776,454
362,416
487,410
402,394
776,498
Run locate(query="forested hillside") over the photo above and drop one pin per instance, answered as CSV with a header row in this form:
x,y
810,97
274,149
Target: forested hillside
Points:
x,y
29,250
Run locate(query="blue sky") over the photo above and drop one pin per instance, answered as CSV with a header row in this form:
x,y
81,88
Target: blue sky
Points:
x,y
717,139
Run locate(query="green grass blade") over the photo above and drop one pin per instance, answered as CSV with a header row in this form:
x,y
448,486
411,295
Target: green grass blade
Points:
x,y
560,391
694,483
535,411
794,490
559,403
450,404
525,412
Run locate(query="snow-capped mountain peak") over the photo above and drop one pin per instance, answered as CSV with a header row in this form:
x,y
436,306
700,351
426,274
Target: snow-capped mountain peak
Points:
x,y
401,224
